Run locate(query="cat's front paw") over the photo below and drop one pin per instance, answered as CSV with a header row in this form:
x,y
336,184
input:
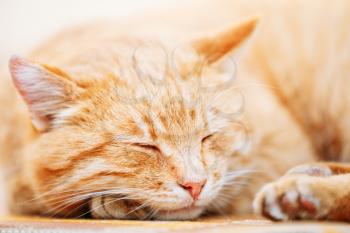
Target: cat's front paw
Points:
x,y
113,207
295,197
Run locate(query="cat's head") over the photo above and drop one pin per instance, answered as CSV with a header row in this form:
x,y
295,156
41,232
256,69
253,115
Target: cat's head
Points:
x,y
167,150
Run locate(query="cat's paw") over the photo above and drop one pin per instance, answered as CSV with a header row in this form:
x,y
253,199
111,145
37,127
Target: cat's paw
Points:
x,y
112,207
295,197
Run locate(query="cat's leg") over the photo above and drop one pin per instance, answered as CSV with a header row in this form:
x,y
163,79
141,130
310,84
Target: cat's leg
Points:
x,y
110,207
315,191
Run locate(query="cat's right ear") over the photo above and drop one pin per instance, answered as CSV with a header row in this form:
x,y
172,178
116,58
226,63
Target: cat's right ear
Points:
x,y
215,47
45,90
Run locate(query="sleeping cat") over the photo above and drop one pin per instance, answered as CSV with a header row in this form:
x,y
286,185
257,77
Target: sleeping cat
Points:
x,y
123,124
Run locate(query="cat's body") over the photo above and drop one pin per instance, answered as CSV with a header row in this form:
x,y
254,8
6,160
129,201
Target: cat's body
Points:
x,y
108,140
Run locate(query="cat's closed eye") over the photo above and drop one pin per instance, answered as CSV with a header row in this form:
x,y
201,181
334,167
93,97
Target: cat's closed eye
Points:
x,y
206,138
147,147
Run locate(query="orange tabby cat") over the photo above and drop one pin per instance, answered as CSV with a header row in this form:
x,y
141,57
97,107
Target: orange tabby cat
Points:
x,y
132,123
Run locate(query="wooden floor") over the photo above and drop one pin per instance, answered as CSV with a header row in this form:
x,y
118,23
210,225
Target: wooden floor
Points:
x,y
213,224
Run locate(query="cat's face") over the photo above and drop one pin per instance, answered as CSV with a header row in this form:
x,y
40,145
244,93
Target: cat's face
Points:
x,y
167,149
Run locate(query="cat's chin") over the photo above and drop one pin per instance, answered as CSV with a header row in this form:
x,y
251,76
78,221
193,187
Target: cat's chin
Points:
x,y
179,214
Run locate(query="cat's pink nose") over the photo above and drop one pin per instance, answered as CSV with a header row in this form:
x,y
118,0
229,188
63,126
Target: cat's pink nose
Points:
x,y
194,188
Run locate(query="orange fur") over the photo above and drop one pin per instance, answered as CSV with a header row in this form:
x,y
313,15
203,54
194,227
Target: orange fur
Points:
x,y
127,124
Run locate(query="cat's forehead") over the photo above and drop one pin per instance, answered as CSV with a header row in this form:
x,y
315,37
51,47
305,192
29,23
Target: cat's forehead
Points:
x,y
169,118
152,61
175,112
163,119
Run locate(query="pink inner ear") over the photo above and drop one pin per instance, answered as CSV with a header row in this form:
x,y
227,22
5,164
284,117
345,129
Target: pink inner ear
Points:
x,y
15,64
42,91
25,76
216,47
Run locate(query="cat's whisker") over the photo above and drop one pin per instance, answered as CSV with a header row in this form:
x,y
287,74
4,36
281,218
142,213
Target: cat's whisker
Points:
x,y
99,206
236,183
83,197
246,173
144,205
257,84
152,213
242,171
71,193
66,203
54,192
218,204
126,197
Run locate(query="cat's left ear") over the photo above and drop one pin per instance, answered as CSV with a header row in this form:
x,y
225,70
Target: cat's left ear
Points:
x,y
46,90
216,47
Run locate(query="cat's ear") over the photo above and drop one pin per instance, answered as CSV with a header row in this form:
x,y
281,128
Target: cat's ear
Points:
x,y
45,90
214,48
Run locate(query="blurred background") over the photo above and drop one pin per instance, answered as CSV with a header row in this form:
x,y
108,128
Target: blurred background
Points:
x,y
25,23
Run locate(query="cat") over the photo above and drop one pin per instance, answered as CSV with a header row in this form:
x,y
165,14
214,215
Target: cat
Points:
x,y
122,124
